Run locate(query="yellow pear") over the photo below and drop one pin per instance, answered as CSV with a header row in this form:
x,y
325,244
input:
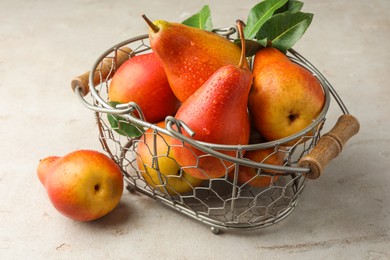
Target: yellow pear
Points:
x,y
159,168
285,97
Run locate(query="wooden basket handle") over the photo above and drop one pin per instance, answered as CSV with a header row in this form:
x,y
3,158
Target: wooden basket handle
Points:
x,y
329,146
103,70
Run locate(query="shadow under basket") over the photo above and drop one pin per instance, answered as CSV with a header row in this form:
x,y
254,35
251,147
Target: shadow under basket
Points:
x,y
225,202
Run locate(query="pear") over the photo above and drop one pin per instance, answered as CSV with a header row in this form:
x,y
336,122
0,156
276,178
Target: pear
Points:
x,y
83,185
142,79
254,176
189,55
217,113
157,166
285,97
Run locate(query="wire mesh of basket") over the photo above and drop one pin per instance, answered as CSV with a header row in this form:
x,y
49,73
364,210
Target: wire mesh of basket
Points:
x,y
249,193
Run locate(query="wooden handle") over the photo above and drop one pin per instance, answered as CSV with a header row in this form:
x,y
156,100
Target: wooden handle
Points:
x,y
329,146
102,71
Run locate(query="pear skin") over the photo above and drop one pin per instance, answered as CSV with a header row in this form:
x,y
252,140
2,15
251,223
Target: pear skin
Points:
x,y
159,168
251,176
83,185
217,113
189,55
285,97
142,79
45,167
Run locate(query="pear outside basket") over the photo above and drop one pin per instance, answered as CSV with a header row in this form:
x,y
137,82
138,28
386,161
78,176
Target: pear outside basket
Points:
x,y
221,203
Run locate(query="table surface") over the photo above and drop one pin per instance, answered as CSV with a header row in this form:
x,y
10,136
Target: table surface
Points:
x,y
43,44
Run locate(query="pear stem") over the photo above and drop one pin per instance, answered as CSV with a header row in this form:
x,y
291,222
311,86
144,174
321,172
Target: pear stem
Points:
x,y
243,63
152,26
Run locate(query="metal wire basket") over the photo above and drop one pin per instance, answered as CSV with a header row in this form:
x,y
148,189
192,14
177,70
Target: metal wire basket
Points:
x,y
224,202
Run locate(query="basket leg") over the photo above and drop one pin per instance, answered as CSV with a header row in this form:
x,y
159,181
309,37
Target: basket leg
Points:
x,y
215,230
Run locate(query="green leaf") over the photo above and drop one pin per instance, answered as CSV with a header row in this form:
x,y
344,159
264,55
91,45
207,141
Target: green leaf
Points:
x,y
201,20
283,30
292,5
259,14
251,46
264,42
295,6
122,126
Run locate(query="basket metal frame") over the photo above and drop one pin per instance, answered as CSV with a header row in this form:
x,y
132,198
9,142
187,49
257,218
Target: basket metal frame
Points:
x,y
126,110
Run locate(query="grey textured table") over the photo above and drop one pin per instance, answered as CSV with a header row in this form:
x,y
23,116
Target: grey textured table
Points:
x,y
43,44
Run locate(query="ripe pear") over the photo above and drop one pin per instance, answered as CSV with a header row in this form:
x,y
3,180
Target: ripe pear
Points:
x,y
189,55
158,168
285,97
83,185
142,79
217,113
259,177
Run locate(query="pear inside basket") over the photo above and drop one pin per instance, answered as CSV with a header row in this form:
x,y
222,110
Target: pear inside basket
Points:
x,y
238,172
246,193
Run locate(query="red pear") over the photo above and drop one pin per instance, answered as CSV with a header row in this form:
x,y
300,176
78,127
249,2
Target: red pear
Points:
x,y
142,79
189,55
83,185
217,113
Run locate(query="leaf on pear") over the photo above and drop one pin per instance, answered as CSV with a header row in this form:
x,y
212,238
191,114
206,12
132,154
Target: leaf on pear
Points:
x,y
259,14
283,30
122,126
201,20
251,46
